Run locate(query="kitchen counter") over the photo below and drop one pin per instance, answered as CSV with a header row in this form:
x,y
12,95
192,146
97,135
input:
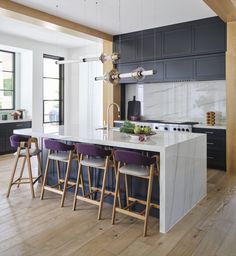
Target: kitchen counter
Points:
x,y
14,121
183,172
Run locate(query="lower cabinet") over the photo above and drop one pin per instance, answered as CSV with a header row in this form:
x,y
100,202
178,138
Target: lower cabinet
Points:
x,y
216,147
6,130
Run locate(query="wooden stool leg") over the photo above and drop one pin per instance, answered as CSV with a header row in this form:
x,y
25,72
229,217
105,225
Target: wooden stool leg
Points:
x,y
82,183
13,173
21,171
115,170
103,188
58,174
116,194
149,194
77,182
89,181
66,179
39,168
45,175
30,172
127,190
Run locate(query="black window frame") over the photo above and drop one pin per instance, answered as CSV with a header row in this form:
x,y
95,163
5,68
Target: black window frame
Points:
x,y
61,90
14,81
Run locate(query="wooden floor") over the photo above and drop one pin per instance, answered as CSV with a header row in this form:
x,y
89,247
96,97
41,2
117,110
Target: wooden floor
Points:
x,y
35,227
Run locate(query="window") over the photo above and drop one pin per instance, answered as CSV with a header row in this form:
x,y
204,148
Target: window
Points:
x,y
7,80
53,90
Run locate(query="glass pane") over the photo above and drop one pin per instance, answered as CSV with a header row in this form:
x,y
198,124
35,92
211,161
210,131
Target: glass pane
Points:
x,y
6,100
7,61
50,89
50,68
51,111
6,81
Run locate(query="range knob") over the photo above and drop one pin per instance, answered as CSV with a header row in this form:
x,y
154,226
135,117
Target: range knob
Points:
x,y
187,130
166,128
156,127
179,129
183,129
174,129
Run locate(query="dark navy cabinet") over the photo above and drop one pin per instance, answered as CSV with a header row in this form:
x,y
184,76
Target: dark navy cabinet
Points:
x,y
179,69
146,48
186,51
6,130
209,37
210,67
216,147
177,41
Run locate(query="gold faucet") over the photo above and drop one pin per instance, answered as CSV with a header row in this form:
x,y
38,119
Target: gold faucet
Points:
x,y
108,109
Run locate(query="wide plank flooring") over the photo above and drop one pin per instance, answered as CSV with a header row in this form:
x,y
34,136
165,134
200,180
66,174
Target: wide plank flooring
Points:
x,y
34,227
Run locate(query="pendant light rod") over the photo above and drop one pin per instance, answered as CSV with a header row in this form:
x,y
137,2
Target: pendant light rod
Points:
x,y
114,76
103,58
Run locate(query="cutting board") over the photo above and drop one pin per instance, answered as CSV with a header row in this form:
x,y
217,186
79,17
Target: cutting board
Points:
x,y
134,108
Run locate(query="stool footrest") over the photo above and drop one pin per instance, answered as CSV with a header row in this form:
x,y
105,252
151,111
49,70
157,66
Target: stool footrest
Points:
x,y
88,200
53,190
157,206
130,213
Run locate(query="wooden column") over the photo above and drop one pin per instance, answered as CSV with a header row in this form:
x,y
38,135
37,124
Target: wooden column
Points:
x,y
111,93
226,9
231,97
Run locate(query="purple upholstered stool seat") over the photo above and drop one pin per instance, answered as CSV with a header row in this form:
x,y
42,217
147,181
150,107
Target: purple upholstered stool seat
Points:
x,y
26,147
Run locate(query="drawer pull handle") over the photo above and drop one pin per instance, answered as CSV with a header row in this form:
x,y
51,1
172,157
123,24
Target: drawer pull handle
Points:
x,y
210,143
210,132
19,125
211,157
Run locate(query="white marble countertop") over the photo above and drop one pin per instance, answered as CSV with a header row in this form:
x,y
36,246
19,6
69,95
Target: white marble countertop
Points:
x,y
113,138
217,126
14,121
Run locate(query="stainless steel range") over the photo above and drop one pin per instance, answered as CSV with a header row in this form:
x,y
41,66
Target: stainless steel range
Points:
x,y
160,125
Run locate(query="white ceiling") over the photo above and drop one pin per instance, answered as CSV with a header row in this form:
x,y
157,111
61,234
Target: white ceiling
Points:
x,y
121,16
27,30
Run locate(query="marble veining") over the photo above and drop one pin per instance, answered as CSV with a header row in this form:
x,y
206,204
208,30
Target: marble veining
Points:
x,y
181,100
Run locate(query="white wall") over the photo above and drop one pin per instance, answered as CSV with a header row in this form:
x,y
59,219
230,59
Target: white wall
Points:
x,y
37,49
86,102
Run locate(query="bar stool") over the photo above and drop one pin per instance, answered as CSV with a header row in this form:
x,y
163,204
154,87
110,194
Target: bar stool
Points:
x,y
59,152
24,144
96,157
138,165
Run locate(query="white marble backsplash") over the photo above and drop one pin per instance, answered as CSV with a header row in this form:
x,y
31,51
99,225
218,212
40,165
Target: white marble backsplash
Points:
x,y
180,100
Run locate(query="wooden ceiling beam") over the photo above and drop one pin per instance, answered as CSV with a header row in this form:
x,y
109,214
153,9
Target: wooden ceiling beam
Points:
x,y
43,19
225,9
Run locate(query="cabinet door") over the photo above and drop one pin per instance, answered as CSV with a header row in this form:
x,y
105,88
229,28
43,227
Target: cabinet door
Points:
x,y
146,45
209,36
211,67
177,41
179,69
127,49
2,139
158,44
127,68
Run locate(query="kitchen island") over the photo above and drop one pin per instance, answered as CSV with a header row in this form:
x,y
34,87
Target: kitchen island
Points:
x,y
183,171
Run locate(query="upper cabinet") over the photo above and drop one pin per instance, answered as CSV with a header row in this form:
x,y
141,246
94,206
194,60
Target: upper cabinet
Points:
x,y
146,45
187,51
176,41
209,37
